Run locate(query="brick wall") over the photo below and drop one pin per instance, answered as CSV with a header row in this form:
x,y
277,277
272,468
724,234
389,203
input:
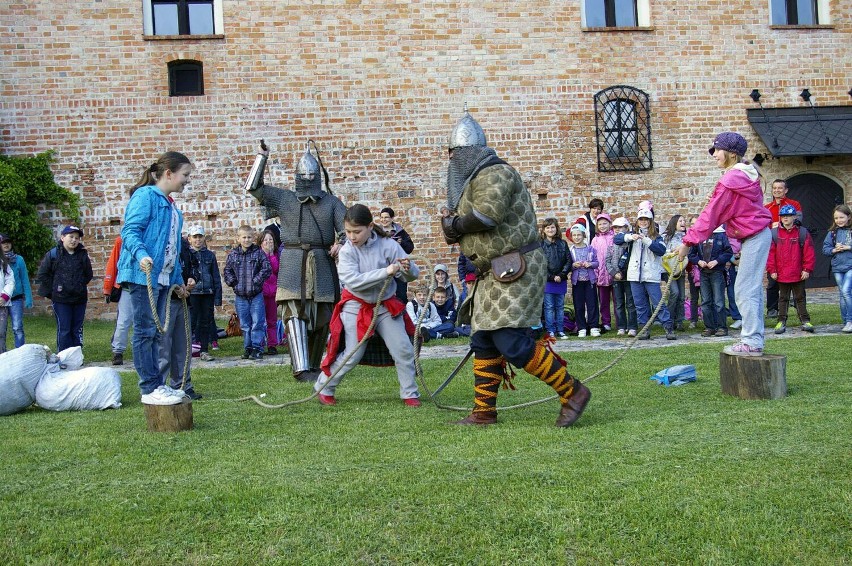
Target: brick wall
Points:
x,y
379,87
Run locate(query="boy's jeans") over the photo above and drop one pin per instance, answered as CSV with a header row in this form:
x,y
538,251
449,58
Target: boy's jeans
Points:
x,y
252,315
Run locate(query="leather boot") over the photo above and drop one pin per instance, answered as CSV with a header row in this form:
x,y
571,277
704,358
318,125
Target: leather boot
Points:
x,y
488,373
550,368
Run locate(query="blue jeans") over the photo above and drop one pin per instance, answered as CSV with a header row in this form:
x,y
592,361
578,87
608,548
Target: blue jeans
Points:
x,y
69,325
677,299
732,301
444,328
554,312
173,349
16,314
713,299
146,340
749,286
625,310
641,292
252,313
844,285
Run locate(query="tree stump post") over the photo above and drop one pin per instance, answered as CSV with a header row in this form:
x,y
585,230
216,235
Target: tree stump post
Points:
x,y
757,377
169,418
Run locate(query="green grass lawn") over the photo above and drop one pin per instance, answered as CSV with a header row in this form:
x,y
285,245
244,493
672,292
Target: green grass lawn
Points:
x,y
649,475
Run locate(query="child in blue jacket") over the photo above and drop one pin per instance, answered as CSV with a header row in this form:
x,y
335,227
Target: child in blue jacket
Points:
x,y
711,256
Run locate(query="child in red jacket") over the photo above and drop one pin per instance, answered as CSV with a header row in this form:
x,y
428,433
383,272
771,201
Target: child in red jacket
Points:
x,y
790,263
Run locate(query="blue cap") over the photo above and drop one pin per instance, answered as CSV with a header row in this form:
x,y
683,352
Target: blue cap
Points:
x,y
787,210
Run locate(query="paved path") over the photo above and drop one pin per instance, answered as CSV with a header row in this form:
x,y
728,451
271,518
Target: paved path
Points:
x,y
608,341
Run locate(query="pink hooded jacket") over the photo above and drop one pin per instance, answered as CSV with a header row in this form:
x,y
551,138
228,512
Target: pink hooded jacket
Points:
x,y
736,202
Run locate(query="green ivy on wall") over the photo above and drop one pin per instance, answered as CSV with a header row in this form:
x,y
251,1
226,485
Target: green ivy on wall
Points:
x,y
25,183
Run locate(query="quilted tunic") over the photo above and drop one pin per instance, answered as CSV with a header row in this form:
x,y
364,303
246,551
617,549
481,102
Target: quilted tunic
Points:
x,y
499,193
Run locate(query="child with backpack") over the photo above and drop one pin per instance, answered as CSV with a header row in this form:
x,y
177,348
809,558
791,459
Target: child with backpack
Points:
x,y
431,322
617,257
838,246
63,276
710,256
791,262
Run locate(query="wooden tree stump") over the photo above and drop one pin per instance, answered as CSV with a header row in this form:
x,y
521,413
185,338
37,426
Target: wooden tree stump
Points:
x,y
758,377
169,418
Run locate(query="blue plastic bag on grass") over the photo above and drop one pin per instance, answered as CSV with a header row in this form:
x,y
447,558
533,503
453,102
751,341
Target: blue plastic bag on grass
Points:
x,y
675,375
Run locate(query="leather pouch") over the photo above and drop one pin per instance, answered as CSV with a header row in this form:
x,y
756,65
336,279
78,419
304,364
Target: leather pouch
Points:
x,y
508,267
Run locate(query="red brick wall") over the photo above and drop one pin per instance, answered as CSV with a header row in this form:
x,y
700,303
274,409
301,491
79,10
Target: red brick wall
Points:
x,y
379,87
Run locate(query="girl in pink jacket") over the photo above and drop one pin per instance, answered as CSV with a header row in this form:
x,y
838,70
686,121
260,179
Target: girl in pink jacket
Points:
x,y
601,244
737,202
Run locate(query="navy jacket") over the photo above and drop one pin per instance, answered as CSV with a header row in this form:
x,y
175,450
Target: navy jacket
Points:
x,y
721,252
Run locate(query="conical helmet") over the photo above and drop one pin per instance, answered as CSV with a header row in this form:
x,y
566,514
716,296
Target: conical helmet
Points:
x,y
467,132
308,167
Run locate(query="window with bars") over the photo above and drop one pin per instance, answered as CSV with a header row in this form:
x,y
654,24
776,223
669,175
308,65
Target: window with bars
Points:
x,y
186,78
623,124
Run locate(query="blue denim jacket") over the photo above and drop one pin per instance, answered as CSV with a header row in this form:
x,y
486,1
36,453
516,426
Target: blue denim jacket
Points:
x,y
147,222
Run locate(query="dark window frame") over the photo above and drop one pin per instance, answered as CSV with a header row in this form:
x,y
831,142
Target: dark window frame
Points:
x,y
623,139
182,14
185,65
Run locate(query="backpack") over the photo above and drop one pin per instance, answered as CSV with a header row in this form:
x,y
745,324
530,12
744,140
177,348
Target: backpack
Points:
x,y
803,235
233,328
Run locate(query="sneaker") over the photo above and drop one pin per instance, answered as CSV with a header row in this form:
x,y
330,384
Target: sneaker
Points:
x,y
452,334
424,335
607,327
179,393
256,354
272,351
721,332
581,333
327,399
737,324
595,332
193,395
772,314
214,345
620,332
743,349
118,359
206,357
551,335
160,396
670,335
808,327
562,336
631,333
692,326
781,328
847,328
645,335
708,332
247,354
412,402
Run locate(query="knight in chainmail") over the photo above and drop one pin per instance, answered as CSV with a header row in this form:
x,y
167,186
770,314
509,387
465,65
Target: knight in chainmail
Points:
x,y
491,217
311,225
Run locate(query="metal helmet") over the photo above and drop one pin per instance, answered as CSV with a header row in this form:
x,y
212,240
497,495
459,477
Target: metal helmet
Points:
x,y
467,133
308,167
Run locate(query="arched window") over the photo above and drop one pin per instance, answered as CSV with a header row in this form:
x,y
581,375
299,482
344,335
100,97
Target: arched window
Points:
x,y
622,120
186,78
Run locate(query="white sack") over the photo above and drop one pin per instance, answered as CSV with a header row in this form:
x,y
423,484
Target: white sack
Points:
x,y
20,371
79,390
70,358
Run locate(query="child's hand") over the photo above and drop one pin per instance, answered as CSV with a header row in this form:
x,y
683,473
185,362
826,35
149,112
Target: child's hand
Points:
x,y
774,276
393,269
557,279
805,275
146,264
405,264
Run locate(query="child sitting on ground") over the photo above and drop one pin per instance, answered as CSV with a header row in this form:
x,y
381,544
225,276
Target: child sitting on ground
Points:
x,y
431,323
246,269
791,262
448,328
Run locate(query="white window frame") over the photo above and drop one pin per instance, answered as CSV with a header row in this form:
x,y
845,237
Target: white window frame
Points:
x,y
643,13
148,18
